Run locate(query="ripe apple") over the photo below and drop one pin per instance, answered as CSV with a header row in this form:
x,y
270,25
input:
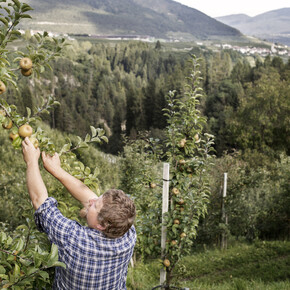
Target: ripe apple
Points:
x,y
34,141
152,184
182,162
175,191
13,136
183,235
182,143
181,201
173,242
25,63
166,263
196,137
2,88
25,131
7,125
26,73
176,222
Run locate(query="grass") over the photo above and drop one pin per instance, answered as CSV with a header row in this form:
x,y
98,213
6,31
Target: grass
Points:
x,y
261,265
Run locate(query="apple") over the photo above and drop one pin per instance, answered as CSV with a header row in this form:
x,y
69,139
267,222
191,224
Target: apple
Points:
x,y
173,242
25,131
181,201
183,235
182,143
152,185
166,263
175,191
26,73
34,141
25,63
176,222
2,88
182,162
13,136
7,125
196,137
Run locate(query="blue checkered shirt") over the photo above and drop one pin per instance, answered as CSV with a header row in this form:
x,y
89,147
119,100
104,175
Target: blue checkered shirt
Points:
x,y
92,260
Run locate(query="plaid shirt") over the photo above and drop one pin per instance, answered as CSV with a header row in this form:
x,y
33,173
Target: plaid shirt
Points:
x,y
92,260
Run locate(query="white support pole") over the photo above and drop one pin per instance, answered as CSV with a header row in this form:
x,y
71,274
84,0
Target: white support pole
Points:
x,y
165,200
224,217
225,184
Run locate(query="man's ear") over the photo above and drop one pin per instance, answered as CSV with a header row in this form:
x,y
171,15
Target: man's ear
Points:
x,y
100,228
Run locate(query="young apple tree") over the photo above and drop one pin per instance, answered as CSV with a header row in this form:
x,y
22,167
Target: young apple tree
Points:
x,y
189,151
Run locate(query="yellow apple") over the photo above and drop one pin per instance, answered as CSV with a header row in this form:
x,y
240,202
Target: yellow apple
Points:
x,y
176,222
182,143
175,191
2,87
25,63
25,131
166,263
13,136
173,242
181,201
26,73
7,125
183,235
152,184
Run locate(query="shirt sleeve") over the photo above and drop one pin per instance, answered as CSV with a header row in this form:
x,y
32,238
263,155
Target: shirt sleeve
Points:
x,y
50,220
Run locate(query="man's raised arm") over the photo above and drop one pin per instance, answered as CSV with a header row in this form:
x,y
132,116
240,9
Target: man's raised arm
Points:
x,y
76,188
36,187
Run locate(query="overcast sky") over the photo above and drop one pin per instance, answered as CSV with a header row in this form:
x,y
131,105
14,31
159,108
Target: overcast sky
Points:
x,y
215,8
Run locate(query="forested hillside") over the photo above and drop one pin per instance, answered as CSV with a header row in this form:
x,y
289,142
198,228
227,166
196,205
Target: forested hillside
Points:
x,y
122,86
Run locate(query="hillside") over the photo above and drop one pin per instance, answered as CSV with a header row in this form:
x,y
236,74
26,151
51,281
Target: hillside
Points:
x,y
164,19
273,25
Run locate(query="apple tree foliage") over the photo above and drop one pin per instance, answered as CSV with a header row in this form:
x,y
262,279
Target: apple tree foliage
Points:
x,y
26,257
189,151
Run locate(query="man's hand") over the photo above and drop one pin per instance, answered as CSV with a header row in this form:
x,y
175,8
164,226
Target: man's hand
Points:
x,y
30,154
51,163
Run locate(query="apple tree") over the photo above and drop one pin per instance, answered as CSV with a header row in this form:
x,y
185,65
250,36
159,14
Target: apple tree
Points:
x,y
189,151
26,257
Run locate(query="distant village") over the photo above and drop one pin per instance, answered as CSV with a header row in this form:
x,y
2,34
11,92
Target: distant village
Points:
x,y
276,49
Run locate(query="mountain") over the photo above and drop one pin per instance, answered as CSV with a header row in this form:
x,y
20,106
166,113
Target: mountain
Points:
x,y
164,19
273,25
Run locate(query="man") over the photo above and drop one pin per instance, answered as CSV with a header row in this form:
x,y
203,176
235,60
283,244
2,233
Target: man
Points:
x,y
96,256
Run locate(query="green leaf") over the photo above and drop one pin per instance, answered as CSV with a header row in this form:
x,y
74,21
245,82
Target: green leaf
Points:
x,y
2,270
19,246
4,21
88,138
104,138
44,275
94,131
53,256
17,3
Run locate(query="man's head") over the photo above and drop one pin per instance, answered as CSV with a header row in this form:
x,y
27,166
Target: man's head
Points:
x,y
113,213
